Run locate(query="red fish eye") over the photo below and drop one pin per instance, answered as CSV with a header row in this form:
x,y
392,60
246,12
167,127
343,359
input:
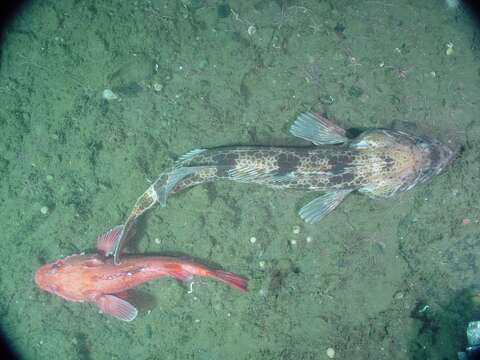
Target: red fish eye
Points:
x,y
58,263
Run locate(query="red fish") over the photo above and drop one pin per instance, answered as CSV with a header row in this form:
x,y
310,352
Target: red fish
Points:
x,y
95,279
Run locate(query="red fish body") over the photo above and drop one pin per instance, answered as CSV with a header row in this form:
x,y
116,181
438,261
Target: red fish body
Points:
x,y
95,279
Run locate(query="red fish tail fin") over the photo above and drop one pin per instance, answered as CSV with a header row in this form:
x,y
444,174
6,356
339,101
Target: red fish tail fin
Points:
x,y
230,279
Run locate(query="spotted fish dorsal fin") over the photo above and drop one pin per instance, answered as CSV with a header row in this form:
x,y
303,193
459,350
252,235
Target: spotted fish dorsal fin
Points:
x,y
315,128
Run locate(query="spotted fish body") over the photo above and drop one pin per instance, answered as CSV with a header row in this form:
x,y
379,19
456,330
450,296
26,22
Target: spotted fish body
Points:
x,y
378,163
311,169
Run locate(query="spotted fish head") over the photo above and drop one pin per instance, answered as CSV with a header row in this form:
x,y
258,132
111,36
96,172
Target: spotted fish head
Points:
x,y
407,158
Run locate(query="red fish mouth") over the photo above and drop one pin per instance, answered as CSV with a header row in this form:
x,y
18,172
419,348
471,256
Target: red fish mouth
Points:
x,y
39,277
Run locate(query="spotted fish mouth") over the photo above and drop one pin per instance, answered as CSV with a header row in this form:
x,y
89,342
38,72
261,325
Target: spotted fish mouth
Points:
x,y
439,155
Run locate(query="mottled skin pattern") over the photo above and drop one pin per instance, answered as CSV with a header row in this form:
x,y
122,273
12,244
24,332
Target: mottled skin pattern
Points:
x,y
316,169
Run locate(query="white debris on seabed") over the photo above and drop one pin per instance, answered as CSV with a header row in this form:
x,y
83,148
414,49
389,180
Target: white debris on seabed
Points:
x,y
449,50
253,240
44,210
109,95
296,229
331,353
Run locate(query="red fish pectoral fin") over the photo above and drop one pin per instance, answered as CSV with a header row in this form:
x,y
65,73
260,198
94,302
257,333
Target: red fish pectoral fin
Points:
x,y
106,242
112,305
230,279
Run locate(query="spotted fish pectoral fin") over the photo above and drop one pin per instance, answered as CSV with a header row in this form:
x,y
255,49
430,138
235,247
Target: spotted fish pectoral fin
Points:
x,y
320,207
315,128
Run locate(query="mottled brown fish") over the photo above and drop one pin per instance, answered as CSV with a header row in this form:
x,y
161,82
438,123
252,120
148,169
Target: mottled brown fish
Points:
x,y
378,163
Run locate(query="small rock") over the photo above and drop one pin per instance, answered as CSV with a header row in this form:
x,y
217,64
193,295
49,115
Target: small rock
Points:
x,y
253,240
449,50
331,353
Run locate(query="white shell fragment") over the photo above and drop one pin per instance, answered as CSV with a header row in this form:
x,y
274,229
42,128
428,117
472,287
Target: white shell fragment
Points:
x,y
109,95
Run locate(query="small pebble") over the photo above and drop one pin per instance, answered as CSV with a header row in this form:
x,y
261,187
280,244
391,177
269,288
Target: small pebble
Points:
x,y
49,177
309,239
157,241
293,242
331,353
296,229
261,263
44,210
253,240
398,295
157,87
449,50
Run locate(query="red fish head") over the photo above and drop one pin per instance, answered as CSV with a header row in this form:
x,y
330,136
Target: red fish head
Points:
x,y
66,277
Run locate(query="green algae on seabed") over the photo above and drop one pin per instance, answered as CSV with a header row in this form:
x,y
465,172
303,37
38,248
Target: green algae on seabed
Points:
x,y
189,74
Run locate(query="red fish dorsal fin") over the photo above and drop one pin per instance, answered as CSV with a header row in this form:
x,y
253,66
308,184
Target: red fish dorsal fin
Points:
x,y
105,242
